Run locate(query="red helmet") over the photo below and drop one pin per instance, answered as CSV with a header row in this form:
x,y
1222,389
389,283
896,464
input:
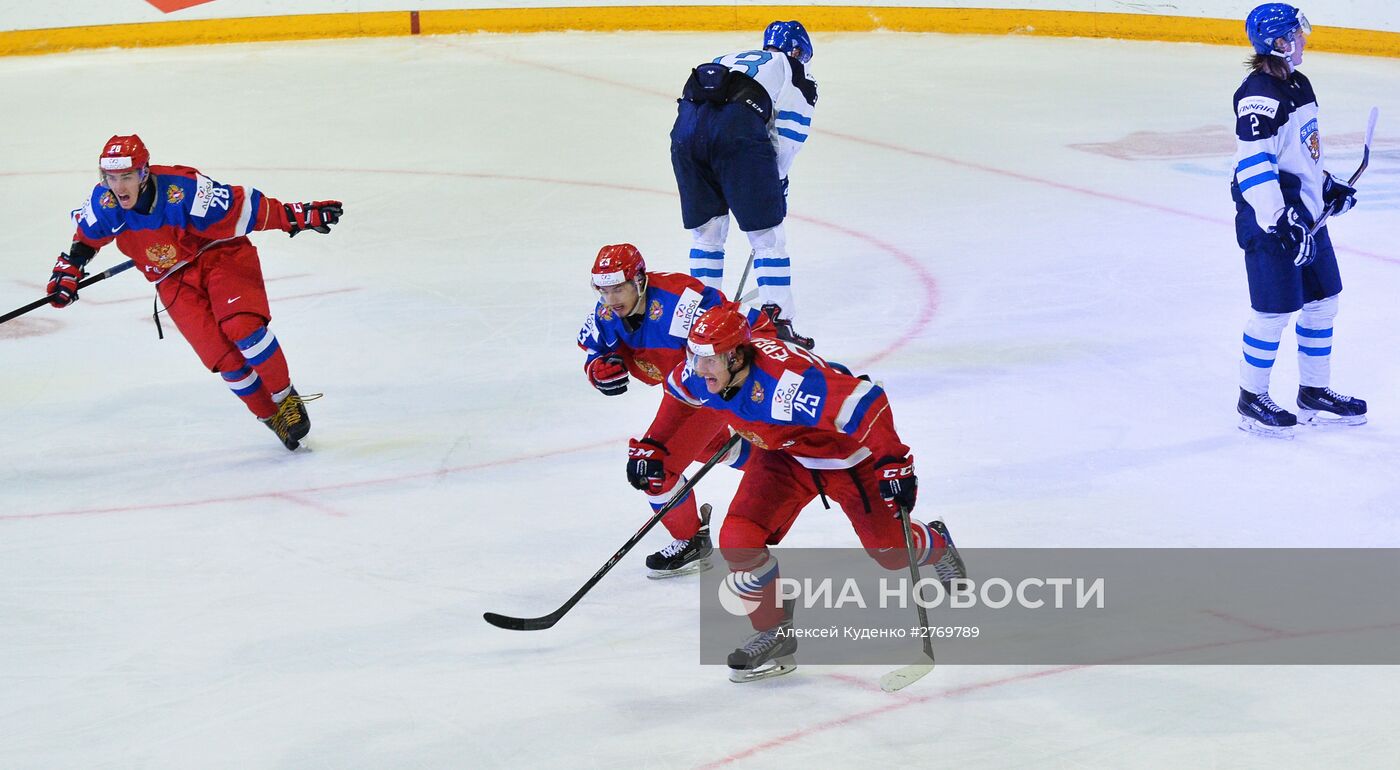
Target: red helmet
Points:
x,y
719,330
618,264
124,153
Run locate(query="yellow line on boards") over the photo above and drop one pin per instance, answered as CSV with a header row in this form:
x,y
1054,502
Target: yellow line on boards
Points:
x,y
819,19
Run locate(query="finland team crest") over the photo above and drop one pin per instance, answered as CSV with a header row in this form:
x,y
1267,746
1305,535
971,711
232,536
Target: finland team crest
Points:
x,y
1310,139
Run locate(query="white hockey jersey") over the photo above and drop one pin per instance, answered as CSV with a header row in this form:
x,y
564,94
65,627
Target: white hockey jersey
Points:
x,y
794,95
1278,150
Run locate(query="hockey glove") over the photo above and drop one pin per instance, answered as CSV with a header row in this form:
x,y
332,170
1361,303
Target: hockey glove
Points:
x,y
63,284
1338,196
646,465
898,485
1293,237
318,216
608,375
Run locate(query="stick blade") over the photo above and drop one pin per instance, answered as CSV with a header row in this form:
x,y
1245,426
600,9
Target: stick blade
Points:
x,y
1371,124
901,678
519,624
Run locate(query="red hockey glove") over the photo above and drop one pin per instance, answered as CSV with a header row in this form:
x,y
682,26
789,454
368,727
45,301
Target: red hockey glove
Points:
x,y
608,375
63,284
646,465
898,484
318,216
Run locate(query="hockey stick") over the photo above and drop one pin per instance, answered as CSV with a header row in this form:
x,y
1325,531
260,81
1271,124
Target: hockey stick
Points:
x,y
903,677
1365,160
545,621
743,279
83,284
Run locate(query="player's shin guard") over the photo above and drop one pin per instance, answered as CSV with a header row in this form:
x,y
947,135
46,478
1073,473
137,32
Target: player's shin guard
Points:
x,y
245,383
1315,343
1261,339
772,269
752,587
264,354
707,251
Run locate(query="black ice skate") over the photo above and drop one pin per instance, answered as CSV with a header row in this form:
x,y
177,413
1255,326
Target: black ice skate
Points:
x,y
1326,407
291,423
684,557
949,566
1260,415
785,330
767,653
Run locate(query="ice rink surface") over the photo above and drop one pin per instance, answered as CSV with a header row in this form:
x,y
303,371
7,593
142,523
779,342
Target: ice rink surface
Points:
x,y
1028,240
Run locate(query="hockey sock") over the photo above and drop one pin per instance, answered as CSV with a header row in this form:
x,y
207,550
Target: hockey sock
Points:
x,y
708,266
245,383
1262,333
773,270
928,545
262,352
682,521
1315,342
707,251
752,584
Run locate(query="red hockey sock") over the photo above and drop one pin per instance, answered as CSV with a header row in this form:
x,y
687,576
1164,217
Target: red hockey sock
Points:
x,y
261,350
247,385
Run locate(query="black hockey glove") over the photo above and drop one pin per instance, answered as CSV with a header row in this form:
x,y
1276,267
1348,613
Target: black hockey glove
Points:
x,y
1293,237
1338,196
646,465
899,487
785,186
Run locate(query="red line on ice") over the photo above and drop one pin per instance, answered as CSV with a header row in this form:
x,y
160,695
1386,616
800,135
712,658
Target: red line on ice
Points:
x,y
860,716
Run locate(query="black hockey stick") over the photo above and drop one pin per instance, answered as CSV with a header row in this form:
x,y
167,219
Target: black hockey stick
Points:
x,y
545,621
1365,160
903,677
83,284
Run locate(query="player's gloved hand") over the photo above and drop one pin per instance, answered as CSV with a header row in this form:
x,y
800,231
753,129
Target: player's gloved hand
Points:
x,y
318,216
608,375
63,284
1293,237
646,465
1338,196
785,186
898,485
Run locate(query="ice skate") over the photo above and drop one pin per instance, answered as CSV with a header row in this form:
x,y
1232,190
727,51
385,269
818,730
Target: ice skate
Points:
x,y
684,557
291,423
785,330
1261,416
766,654
1327,408
949,566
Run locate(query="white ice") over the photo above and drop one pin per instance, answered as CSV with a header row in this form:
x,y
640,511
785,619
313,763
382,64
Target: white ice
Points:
x,y
1058,329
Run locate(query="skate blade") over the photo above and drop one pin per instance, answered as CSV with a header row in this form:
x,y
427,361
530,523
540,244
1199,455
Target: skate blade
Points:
x,y
692,568
1250,425
1318,419
785,664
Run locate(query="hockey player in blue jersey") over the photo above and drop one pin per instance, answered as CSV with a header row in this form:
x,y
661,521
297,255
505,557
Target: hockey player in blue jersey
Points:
x,y
1280,189
638,330
740,122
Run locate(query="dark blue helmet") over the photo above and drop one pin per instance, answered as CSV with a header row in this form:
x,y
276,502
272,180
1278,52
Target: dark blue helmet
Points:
x,y
1272,21
788,35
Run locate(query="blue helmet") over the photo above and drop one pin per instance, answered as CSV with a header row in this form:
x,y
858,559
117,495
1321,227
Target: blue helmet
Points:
x,y
787,35
1272,21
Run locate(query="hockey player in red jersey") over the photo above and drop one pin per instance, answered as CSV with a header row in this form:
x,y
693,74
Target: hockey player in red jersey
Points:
x,y
189,236
638,329
817,430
